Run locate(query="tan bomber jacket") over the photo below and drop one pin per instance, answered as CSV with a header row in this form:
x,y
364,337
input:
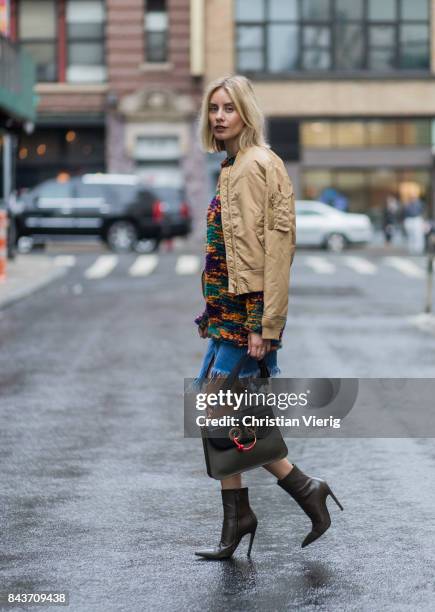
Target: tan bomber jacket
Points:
x,y
259,228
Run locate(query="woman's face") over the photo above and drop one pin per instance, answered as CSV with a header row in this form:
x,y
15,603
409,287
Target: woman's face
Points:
x,y
225,122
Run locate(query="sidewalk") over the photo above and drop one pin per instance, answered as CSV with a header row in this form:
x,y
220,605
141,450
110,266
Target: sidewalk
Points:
x,y
26,274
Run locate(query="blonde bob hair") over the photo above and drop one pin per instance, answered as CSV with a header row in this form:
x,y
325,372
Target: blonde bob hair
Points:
x,y
241,92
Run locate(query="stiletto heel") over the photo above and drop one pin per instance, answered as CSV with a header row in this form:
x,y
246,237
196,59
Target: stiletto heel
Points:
x,y
251,541
239,520
310,493
335,499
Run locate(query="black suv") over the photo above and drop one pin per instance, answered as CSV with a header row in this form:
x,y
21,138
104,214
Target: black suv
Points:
x,y
117,207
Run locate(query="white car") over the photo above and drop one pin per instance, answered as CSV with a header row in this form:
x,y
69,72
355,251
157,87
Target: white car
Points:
x,y
318,224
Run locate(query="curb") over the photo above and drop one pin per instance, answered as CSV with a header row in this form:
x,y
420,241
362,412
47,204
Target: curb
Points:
x,y
20,294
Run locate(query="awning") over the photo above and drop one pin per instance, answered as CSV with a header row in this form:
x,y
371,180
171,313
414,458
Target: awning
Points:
x,y
17,80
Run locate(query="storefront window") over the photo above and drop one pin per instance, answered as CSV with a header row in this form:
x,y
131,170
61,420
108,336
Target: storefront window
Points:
x,y
353,185
365,134
366,191
53,150
314,181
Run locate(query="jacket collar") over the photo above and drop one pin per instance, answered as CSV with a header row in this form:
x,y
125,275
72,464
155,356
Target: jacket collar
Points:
x,y
228,161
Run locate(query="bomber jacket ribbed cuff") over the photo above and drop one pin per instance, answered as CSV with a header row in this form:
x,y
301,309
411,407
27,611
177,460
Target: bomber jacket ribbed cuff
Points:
x,y
271,328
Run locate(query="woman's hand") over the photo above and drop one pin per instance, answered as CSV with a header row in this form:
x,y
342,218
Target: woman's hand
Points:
x,y
257,347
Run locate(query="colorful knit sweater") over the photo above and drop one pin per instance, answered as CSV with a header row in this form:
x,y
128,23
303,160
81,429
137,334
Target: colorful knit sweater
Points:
x,y
228,316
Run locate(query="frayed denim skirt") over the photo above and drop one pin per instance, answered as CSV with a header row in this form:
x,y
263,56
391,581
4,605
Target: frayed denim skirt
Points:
x,y
223,356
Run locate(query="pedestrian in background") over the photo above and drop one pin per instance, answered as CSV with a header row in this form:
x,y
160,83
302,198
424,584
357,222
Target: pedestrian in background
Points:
x,y
249,252
414,225
390,217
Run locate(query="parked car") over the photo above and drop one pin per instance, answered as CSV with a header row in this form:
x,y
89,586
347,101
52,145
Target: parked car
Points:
x,y
11,236
318,224
118,208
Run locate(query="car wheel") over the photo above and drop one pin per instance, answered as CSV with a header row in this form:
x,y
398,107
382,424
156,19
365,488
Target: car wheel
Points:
x,y
12,240
25,244
336,243
147,245
121,236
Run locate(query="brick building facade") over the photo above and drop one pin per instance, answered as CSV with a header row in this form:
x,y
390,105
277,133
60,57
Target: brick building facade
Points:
x,y
138,115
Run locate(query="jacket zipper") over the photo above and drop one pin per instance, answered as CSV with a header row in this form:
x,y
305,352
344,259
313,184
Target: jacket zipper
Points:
x,y
232,228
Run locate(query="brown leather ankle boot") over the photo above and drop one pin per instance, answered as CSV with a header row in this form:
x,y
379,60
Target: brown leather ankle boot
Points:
x,y
310,493
239,520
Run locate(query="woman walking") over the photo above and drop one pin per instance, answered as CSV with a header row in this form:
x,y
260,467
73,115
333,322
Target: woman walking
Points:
x,y
250,247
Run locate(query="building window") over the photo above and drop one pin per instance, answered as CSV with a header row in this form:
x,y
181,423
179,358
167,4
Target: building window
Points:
x,y
366,134
274,37
65,39
85,21
156,31
37,31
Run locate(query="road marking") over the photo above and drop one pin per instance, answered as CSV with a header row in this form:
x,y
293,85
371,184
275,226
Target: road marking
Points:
x,y
102,266
409,268
187,264
144,265
360,265
320,265
65,261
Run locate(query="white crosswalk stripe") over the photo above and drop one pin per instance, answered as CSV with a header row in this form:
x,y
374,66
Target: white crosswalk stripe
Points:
x,y
409,268
320,265
424,321
67,261
102,266
187,264
360,265
144,265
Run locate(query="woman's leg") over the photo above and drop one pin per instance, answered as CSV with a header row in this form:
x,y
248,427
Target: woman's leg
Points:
x,y
234,482
280,469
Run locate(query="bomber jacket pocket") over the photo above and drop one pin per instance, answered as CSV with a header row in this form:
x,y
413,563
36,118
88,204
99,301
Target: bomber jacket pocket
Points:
x,y
279,211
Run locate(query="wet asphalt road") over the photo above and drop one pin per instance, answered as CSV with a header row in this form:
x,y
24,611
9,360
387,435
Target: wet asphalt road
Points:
x,y
102,496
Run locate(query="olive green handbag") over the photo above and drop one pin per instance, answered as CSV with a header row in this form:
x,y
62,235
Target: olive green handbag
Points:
x,y
232,449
